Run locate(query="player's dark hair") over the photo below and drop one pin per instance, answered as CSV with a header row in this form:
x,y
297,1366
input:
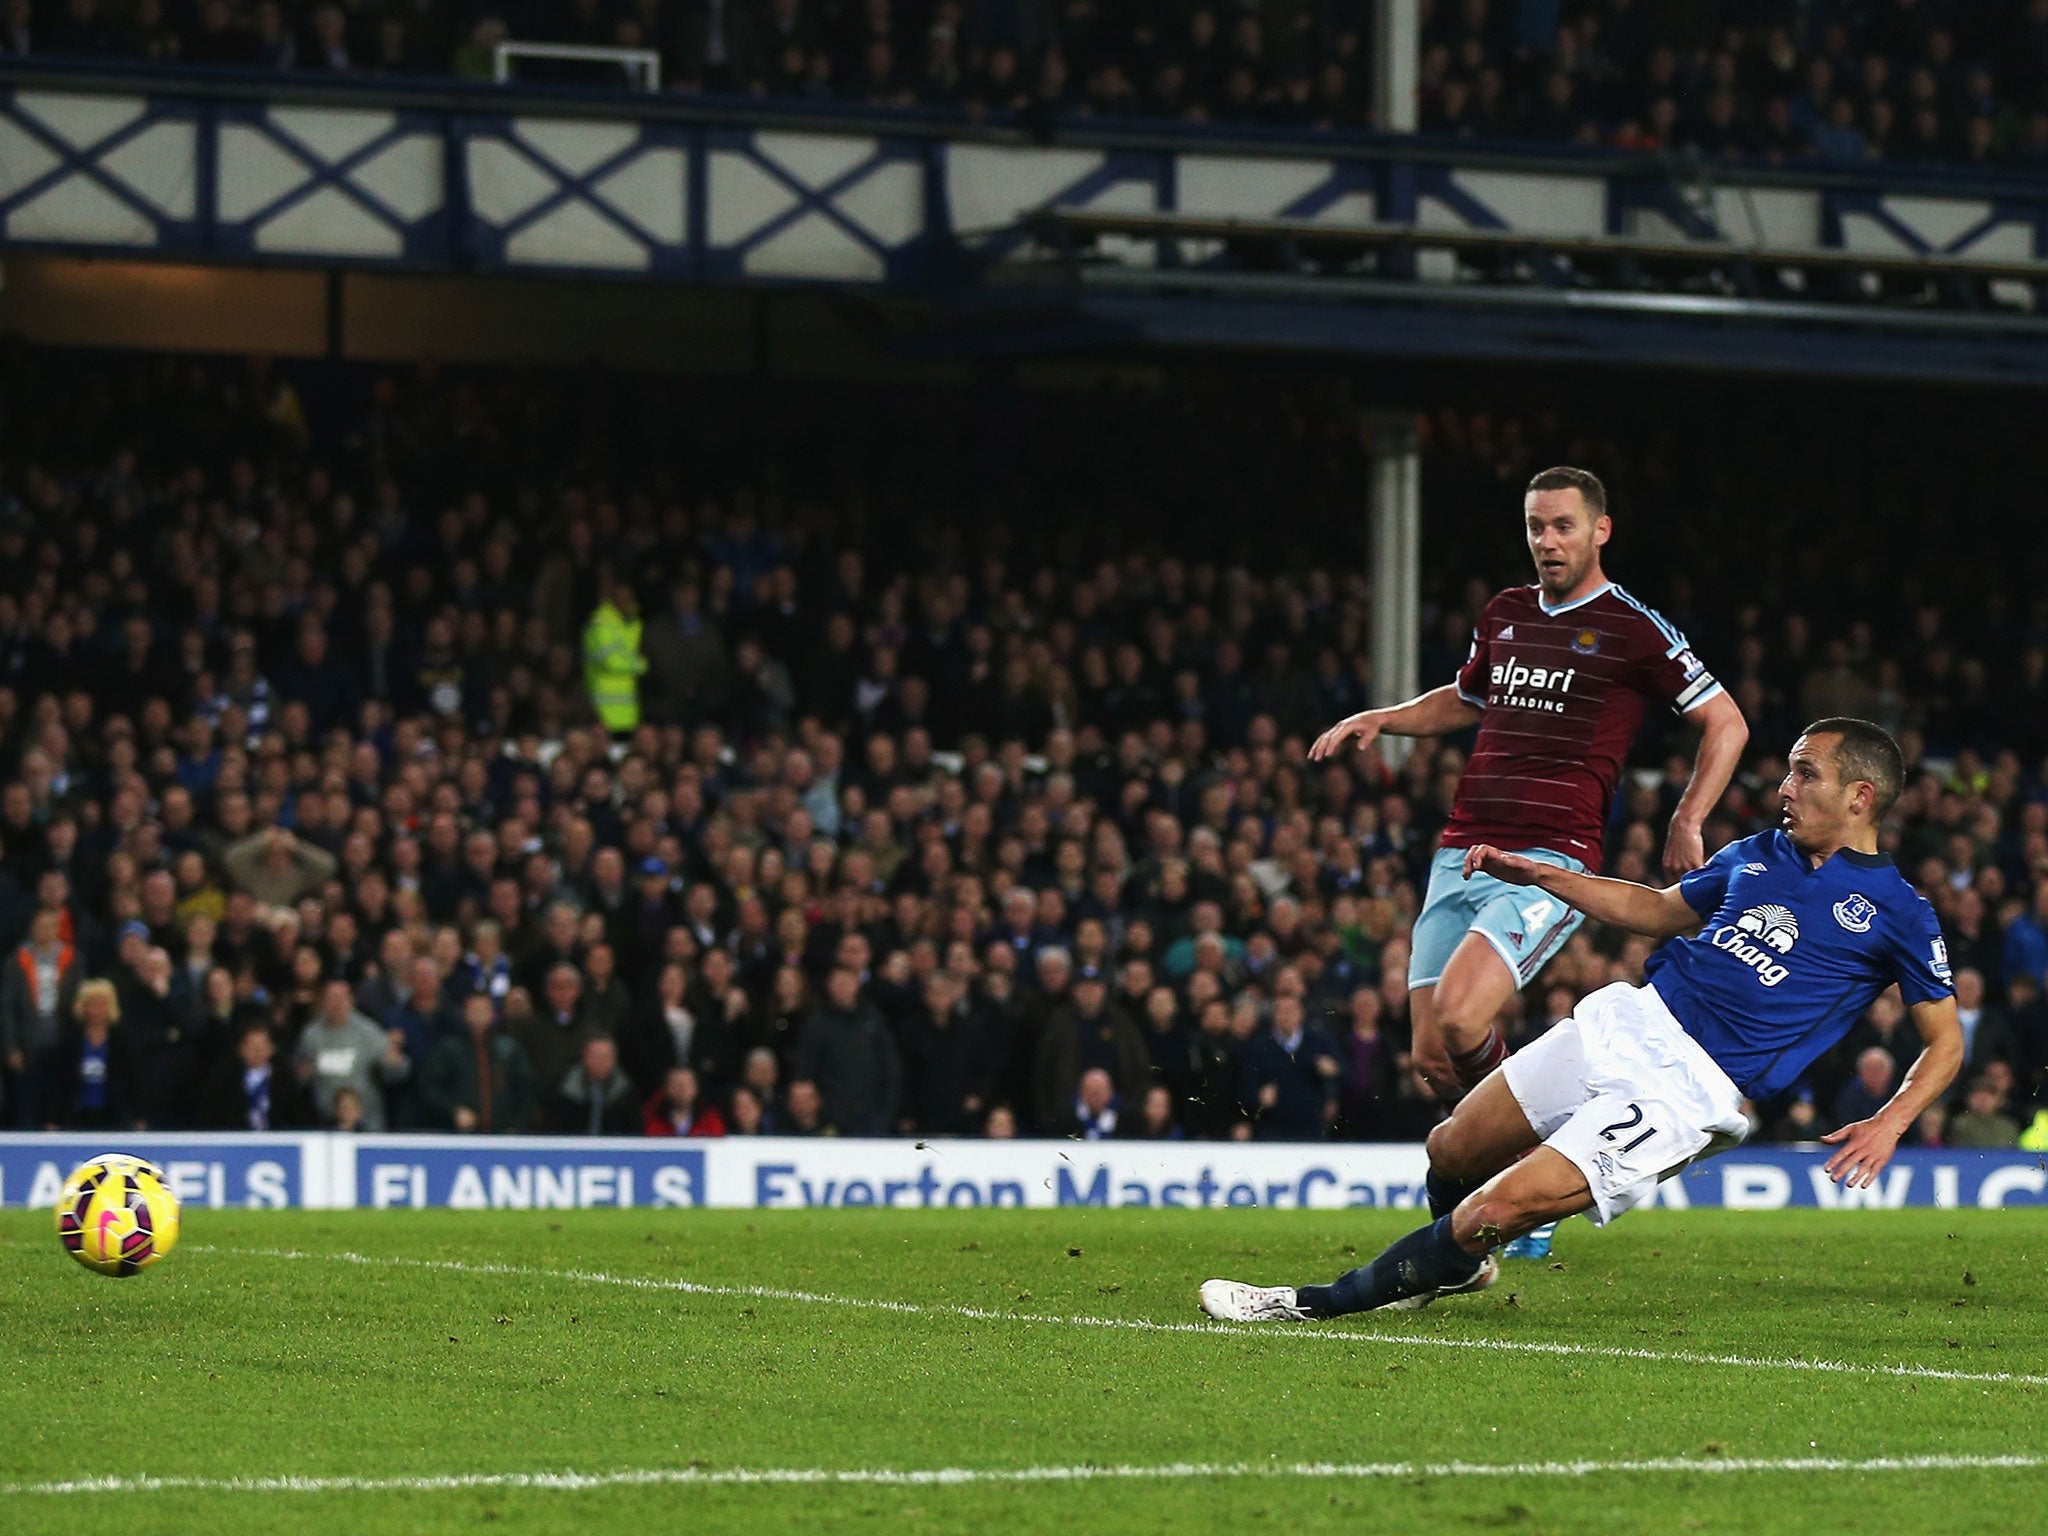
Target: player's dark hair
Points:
x,y
1866,754
1584,481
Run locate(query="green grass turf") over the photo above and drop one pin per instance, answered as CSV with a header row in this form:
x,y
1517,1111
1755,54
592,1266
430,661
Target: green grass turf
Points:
x,y
220,1363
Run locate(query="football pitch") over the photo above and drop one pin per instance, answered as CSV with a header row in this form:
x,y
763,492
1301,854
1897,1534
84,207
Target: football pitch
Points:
x,y
1040,1371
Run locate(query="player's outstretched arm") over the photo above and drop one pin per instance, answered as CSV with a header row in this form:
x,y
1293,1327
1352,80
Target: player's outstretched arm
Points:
x,y
1435,713
1724,733
1867,1145
1655,914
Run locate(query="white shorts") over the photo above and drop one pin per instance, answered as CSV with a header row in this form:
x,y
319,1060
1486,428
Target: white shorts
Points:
x,y
1625,1093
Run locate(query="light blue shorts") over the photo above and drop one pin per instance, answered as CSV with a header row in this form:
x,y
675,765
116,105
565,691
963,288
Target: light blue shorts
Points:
x,y
1524,925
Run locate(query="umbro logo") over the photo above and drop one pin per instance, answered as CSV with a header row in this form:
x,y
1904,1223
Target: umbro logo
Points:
x,y
1754,868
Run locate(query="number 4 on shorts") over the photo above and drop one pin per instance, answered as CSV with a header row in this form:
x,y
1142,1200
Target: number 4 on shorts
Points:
x,y
1537,913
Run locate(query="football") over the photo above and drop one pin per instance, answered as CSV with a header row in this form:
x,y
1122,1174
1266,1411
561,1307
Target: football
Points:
x,y
117,1215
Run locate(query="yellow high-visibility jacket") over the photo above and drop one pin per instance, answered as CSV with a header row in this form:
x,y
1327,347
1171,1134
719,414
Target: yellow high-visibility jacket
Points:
x,y
612,665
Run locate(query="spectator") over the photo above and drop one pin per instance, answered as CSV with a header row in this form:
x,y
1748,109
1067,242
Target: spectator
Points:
x,y
250,1093
1987,1033
1884,1027
1081,1035
612,661
348,1112
329,51
388,987
607,1006
676,1111
276,868
479,1079
1096,1111
1157,1120
341,1048
1213,1109
2027,1017
158,1023
476,58
760,1077
848,1055
947,1061
88,1080
1366,1086
486,968
1865,1093
746,1118
18,29
270,41
37,993
663,1031
1801,1120
2024,949
686,657
596,1098
553,1036
424,1019
557,943
806,1110
1983,1122
1169,1042
1291,1077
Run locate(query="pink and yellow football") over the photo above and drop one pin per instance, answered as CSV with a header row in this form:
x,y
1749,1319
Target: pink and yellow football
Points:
x,y
117,1215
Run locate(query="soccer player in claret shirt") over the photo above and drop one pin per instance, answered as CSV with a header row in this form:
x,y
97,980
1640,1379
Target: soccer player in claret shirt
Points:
x,y
1777,946
1559,679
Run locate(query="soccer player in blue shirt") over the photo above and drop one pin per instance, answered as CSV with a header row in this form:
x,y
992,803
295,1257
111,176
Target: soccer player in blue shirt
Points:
x,y
1778,945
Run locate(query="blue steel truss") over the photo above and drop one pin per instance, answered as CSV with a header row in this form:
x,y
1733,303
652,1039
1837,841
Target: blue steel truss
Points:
x,y
61,172
184,165
340,177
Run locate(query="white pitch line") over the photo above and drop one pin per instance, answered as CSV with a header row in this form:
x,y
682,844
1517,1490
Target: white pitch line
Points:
x,y
1148,1325
940,1477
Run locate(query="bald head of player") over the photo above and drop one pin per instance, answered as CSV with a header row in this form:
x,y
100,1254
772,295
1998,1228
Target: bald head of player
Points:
x,y
1841,778
1565,511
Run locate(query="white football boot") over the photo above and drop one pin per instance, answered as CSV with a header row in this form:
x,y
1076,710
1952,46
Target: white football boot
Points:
x,y
1488,1272
1232,1301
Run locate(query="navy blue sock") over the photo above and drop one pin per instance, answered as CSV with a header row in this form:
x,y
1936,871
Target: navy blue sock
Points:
x,y
1445,1192
1426,1258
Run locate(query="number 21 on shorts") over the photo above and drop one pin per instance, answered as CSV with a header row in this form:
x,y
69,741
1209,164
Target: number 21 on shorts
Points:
x,y
1613,1132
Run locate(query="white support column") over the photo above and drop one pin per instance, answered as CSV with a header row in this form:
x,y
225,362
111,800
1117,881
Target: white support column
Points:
x,y
1396,567
1396,62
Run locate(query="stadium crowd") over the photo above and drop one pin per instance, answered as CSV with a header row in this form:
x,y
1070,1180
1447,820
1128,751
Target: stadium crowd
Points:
x,y
1780,80
372,758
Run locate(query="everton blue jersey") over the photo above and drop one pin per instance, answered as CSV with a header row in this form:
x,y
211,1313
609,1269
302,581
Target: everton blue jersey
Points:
x,y
1791,955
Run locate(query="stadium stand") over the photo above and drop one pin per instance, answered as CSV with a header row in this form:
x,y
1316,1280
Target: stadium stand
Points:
x,y
957,802
1769,80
